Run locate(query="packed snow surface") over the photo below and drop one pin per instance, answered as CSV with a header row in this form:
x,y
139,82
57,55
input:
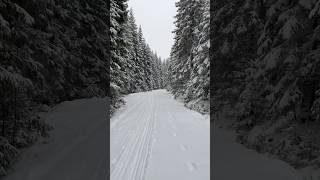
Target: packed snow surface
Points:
x,y
154,137
76,149
232,161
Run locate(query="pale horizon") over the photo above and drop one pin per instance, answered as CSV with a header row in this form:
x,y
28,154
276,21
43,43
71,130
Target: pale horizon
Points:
x,y
157,21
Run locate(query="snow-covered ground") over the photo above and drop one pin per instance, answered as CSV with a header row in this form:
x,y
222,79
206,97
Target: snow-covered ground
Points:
x,y
232,161
154,137
76,149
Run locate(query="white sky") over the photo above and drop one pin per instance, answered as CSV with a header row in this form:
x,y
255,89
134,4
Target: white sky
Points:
x,y
156,18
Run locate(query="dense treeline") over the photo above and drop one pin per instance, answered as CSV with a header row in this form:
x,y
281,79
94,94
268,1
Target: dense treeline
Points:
x,y
53,50
134,66
50,51
188,68
265,69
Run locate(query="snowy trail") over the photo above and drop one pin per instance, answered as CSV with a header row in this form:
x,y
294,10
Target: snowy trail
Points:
x,y
76,149
155,137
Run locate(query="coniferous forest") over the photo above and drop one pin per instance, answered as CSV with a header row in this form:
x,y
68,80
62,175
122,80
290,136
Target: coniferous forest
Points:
x,y
134,66
51,51
185,73
253,65
159,95
188,67
265,75
54,51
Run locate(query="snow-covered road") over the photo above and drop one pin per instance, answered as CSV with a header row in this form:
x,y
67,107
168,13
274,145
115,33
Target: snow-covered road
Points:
x,y
154,137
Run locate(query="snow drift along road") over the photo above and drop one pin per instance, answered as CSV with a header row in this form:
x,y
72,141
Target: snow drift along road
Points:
x,y
232,161
76,149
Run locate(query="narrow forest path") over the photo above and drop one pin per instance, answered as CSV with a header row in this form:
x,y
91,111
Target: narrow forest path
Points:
x,y
76,149
155,137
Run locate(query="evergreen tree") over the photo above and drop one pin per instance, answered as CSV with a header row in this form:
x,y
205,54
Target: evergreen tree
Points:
x,y
132,38
119,53
189,60
198,87
134,67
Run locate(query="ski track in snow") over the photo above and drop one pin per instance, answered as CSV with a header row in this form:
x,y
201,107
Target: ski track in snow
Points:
x,y
151,139
135,146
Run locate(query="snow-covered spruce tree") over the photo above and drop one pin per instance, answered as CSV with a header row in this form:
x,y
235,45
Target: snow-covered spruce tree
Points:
x,y
235,30
119,50
148,66
12,106
134,67
284,81
166,74
198,87
157,71
163,70
187,19
15,118
145,59
189,59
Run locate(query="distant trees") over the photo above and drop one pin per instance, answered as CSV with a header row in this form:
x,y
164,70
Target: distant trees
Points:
x,y
265,57
189,61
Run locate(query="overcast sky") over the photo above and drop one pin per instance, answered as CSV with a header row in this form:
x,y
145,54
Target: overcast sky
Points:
x,y
156,18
